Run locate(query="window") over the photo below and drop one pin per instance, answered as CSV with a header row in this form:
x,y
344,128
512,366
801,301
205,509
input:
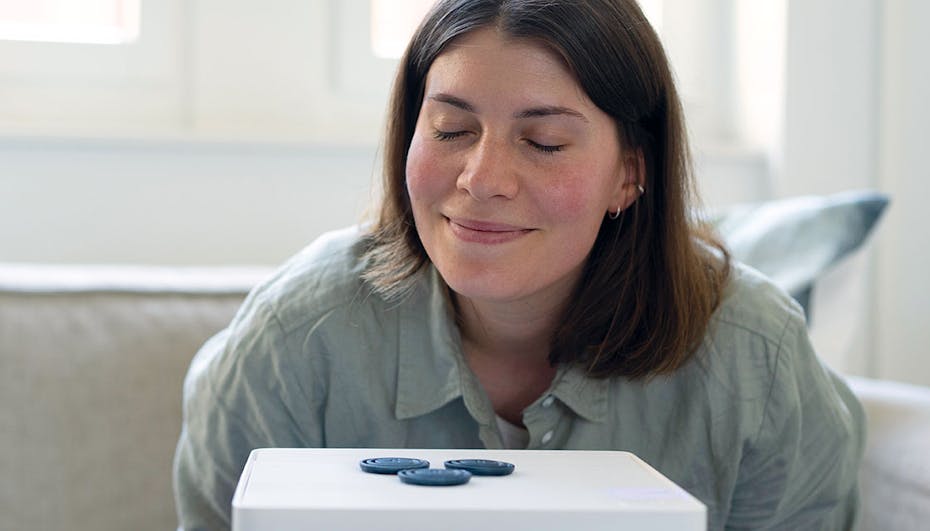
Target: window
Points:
x,y
90,66
72,21
392,24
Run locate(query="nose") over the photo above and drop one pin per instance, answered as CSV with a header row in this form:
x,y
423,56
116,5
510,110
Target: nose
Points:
x,y
489,171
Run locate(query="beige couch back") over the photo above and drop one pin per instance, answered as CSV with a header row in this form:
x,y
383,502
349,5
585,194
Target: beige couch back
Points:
x,y
92,362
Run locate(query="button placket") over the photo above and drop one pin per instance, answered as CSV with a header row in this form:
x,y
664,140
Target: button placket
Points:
x,y
543,418
547,404
546,437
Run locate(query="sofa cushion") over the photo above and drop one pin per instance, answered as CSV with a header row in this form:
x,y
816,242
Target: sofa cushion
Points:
x,y
796,240
895,475
91,366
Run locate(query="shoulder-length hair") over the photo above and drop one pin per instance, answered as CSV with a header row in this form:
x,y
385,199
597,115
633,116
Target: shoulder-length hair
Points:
x,y
656,274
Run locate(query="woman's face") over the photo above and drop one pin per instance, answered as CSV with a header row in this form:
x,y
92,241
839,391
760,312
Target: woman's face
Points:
x,y
511,170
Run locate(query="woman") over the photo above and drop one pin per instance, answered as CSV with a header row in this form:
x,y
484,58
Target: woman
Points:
x,y
533,281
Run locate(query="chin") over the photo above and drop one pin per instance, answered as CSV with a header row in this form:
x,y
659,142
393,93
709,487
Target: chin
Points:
x,y
482,286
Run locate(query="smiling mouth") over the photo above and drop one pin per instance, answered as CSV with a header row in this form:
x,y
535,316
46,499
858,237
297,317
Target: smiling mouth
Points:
x,y
485,232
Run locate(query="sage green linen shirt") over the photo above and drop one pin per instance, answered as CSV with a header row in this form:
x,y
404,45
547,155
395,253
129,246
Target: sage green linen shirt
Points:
x,y
753,425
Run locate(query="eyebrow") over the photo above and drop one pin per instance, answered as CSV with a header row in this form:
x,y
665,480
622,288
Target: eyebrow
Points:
x,y
442,97
533,112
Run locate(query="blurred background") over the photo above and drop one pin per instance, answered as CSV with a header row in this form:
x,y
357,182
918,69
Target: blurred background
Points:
x,y
233,132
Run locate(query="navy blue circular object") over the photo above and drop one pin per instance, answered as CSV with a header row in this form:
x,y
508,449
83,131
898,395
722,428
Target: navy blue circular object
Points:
x,y
391,465
481,467
434,477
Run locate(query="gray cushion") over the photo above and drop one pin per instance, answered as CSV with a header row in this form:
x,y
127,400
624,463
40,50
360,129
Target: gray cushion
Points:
x,y
796,240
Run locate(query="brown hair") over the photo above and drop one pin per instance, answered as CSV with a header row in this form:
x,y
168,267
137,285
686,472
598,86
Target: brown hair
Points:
x,y
653,278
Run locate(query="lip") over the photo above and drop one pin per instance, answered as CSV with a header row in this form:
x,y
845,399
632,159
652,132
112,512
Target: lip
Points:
x,y
485,232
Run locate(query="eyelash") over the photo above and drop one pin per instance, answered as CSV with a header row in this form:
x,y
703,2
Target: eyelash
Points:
x,y
443,136
549,150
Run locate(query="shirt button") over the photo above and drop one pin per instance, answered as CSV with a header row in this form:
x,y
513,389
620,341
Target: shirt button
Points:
x,y
548,401
547,437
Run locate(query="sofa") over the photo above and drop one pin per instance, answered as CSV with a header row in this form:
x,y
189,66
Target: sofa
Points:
x,y
92,360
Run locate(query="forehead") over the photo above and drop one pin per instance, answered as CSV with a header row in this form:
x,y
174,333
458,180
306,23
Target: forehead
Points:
x,y
502,64
489,39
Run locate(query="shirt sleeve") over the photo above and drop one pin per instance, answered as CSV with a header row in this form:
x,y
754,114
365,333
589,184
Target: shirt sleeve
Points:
x,y
801,470
240,393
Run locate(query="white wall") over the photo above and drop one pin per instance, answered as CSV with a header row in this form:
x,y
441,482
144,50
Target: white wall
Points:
x,y
903,290
174,202
829,144
856,114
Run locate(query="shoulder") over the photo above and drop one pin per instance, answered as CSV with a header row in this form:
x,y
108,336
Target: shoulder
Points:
x,y
805,428
754,330
317,294
323,277
752,303
757,354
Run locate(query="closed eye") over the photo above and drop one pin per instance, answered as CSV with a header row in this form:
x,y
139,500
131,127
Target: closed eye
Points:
x,y
452,135
448,135
544,148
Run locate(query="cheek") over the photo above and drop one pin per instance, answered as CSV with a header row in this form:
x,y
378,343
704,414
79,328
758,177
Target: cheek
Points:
x,y
576,195
425,174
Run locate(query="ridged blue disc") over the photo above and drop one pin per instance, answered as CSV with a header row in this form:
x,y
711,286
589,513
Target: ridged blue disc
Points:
x,y
434,477
481,467
391,465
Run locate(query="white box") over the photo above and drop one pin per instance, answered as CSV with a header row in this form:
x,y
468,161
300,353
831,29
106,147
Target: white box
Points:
x,y
313,488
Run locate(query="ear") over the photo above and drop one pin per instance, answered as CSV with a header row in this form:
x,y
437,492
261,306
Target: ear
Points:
x,y
630,182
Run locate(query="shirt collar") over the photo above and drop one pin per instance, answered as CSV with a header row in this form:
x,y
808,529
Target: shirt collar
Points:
x,y
586,396
430,371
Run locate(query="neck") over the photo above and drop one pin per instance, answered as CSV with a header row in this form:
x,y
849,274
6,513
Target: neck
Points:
x,y
507,347
521,330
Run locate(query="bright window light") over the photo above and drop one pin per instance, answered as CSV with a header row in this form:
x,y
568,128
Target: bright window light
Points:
x,y
74,21
653,11
394,21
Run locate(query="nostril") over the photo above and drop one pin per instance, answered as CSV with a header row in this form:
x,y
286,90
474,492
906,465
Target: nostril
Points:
x,y
488,171
485,185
